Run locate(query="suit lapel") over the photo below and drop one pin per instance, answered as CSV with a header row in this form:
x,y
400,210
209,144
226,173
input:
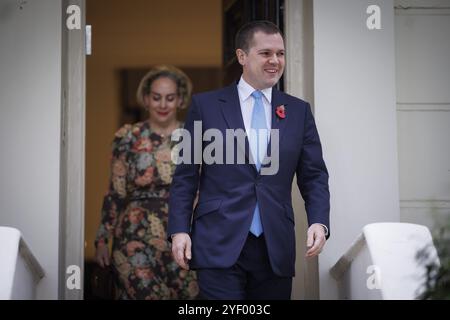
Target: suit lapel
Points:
x,y
279,124
231,111
231,107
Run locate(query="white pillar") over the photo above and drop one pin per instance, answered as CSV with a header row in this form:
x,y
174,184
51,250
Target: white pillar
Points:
x,y
355,111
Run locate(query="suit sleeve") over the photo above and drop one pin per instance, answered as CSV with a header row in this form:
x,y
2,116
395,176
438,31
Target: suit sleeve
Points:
x,y
312,175
185,180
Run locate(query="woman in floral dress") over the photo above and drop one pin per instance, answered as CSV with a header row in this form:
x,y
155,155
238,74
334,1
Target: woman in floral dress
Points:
x,y
135,208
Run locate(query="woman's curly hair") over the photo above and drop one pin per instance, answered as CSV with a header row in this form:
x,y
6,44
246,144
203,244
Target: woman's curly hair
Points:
x,y
184,84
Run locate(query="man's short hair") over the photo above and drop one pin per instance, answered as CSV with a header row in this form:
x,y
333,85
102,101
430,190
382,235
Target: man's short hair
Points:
x,y
244,36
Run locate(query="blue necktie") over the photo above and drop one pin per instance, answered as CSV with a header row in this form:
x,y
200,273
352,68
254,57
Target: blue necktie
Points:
x,y
258,146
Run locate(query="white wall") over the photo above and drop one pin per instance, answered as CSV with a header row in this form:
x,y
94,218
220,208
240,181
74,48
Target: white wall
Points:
x,y
30,100
355,110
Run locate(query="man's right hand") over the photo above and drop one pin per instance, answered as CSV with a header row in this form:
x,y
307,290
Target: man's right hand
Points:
x,y
181,249
102,255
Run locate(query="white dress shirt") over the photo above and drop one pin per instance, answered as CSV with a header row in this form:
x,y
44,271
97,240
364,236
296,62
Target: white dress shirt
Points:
x,y
247,102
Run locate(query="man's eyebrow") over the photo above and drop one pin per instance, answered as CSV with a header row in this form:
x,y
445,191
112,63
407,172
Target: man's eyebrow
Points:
x,y
280,50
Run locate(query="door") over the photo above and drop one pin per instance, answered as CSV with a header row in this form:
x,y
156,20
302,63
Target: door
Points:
x,y
236,14
423,110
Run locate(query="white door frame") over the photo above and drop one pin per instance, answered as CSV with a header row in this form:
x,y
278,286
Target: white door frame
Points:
x,y
299,81
73,97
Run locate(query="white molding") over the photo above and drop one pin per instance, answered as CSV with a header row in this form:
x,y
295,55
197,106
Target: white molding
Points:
x,y
423,11
425,204
392,249
32,262
72,152
422,7
423,106
422,3
344,262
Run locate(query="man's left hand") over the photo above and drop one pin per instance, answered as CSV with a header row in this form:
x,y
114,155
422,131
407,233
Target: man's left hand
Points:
x,y
316,240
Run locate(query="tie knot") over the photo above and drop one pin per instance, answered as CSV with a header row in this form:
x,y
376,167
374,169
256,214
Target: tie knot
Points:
x,y
257,94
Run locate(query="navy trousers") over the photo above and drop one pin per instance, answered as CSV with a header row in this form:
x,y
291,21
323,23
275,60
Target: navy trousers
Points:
x,y
250,278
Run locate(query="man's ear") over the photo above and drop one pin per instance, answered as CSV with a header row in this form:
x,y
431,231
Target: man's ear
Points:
x,y
241,56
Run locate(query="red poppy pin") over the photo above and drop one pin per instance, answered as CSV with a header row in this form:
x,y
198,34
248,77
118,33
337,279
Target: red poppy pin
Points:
x,y
281,112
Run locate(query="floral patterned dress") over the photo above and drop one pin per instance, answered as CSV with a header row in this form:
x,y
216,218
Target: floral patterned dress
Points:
x,y
135,213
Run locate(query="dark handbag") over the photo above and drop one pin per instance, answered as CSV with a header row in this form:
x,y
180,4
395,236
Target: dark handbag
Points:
x,y
101,282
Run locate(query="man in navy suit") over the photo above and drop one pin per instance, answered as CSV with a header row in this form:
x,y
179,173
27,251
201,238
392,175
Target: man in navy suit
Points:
x,y
242,229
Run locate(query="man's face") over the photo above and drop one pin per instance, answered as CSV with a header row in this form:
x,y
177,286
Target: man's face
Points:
x,y
263,65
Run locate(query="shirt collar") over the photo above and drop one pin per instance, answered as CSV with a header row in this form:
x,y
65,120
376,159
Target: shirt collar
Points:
x,y
245,90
